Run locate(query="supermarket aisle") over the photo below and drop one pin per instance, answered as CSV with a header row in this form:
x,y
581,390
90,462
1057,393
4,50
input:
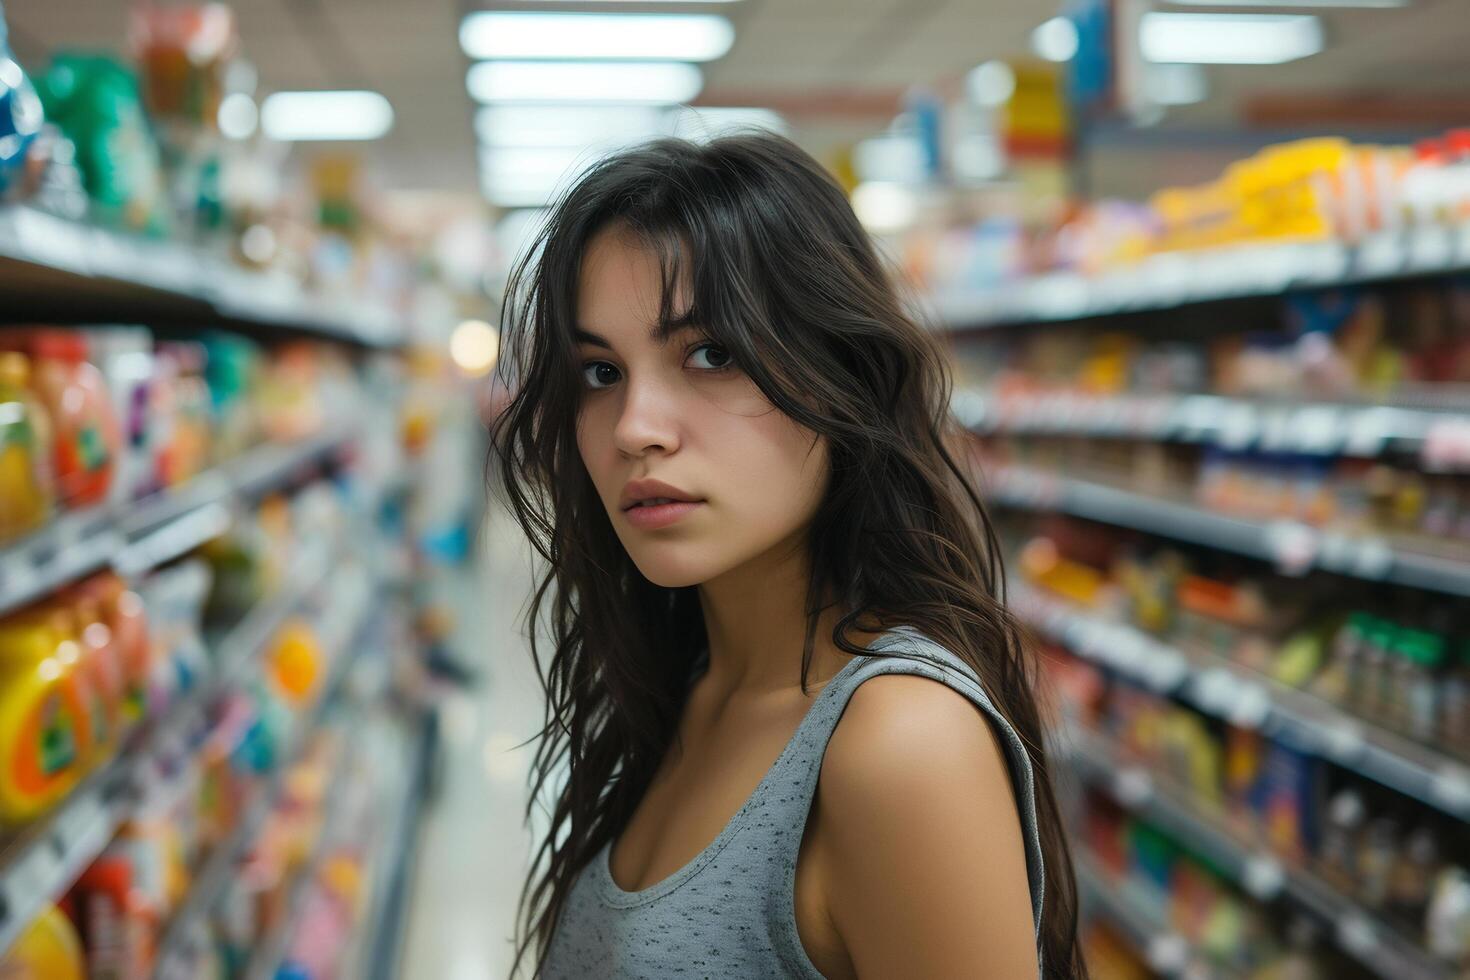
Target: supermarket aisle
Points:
x,y
474,848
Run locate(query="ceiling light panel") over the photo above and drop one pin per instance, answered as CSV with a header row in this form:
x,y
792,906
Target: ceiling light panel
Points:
x,y
343,115
573,81
672,37
565,125
1297,4
1228,39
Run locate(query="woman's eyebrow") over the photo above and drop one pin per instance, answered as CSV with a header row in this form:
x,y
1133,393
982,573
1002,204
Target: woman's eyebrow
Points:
x,y
581,336
659,335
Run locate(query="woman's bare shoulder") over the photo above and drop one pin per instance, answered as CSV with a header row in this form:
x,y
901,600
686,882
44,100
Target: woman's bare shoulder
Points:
x,y
927,859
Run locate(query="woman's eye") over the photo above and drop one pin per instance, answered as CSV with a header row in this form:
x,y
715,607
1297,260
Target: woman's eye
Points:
x,y
599,374
718,359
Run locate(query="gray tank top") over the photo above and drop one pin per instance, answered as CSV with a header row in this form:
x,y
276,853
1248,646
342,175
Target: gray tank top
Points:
x,y
729,912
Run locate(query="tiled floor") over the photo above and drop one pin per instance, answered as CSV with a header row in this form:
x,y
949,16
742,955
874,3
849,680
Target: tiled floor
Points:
x,y
475,848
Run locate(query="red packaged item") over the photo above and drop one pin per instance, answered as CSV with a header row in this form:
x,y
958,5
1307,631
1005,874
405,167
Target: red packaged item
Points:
x,y
85,436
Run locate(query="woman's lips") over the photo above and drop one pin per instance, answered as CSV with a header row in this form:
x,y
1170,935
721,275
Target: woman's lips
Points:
x,y
654,516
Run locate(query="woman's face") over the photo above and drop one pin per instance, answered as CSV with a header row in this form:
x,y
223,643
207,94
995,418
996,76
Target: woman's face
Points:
x,y
682,413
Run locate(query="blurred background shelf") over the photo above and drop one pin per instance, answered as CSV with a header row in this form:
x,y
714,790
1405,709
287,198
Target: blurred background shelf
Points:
x,y
348,618
1245,698
39,862
1290,545
1165,951
55,269
1375,943
1174,281
1238,424
134,538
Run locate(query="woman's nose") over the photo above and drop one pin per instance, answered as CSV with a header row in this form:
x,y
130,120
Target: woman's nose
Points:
x,y
649,419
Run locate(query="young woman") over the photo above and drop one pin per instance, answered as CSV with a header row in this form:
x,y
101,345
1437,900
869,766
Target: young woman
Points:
x,y
795,721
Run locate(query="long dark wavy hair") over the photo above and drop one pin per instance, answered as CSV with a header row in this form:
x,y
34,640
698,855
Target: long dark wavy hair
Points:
x,y
783,277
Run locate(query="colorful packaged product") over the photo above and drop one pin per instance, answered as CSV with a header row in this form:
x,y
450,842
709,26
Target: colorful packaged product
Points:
x,y
45,730
26,492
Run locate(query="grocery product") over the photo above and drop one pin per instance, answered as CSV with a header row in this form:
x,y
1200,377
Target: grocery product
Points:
x,y
47,950
122,611
26,493
296,661
45,730
182,52
124,355
232,367
20,112
94,99
112,914
97,675
177,659
86,439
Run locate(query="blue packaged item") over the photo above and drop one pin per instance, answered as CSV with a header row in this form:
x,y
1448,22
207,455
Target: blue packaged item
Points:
x,y
20,112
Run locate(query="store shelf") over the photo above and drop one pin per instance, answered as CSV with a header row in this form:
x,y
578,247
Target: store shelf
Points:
x,y
1375,943
376,948
1294,548
1173,280
113,276
1285,426
1245,698
41,860
265,962
1129,913
157,529
211,878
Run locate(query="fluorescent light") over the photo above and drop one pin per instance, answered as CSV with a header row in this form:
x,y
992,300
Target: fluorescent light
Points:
x,y
1177,84
326,116
674,37
524,176
572,81
1229,39
704,123
238,116
518,161
991,84
1055,40
565,125
508,192
884,207
1346,4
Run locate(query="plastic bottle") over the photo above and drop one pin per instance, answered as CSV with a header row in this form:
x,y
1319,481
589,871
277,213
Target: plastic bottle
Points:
x,y
26,493
44,730
1338,853
101,727
1339,678
122,610
86,433
1371,690
101,660
1413,875
124,355
1454,703
113,920
1425,651
1377,857
48,950
192,403
1447,926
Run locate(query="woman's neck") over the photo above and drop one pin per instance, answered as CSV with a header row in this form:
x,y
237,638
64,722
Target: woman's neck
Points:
x,y
755,617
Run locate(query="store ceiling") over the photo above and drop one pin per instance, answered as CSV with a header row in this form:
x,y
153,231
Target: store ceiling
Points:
x,y
836,66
